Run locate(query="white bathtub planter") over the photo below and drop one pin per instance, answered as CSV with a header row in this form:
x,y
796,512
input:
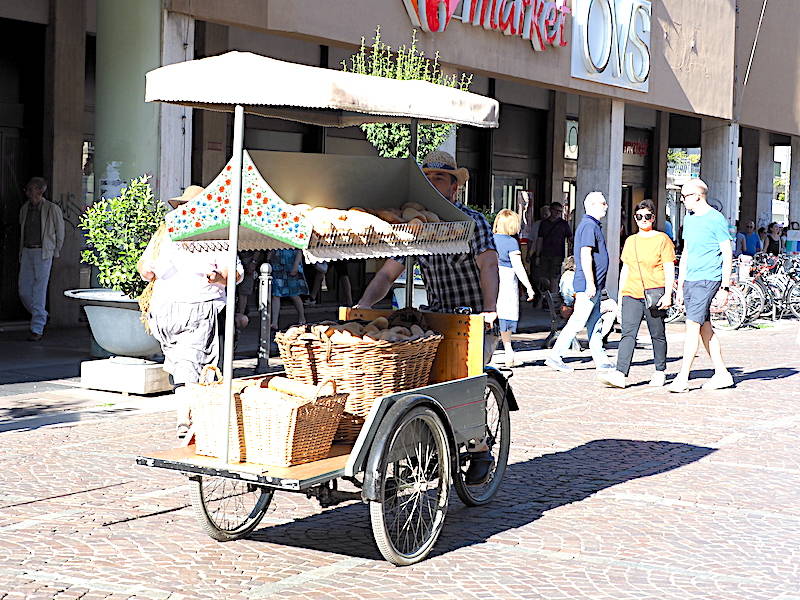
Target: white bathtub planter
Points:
x,y
116,327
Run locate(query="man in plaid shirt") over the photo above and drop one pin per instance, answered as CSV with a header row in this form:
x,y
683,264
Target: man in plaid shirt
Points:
x,y
452,280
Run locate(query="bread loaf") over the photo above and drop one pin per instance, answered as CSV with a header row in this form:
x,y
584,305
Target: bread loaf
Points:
x,y
292,387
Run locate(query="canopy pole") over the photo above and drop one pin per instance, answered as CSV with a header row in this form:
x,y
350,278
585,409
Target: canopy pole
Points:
x,y
412,152
414,144
233,246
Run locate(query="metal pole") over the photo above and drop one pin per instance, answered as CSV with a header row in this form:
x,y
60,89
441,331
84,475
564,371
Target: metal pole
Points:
x,y
413,145
264,306
233,246
412,152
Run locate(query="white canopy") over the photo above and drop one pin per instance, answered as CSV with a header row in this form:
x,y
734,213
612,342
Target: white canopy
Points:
x,y
275,88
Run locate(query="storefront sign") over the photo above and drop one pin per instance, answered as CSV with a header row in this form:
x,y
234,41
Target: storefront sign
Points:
x,y
612,42
543,22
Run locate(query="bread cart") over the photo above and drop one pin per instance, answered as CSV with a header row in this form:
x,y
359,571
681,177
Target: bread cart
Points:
x,y
414,444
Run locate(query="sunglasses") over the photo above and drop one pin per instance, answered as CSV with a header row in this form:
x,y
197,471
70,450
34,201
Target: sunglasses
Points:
x,y
685,196
647,217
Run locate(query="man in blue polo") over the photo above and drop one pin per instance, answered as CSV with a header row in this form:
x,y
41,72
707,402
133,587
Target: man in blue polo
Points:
x,y
704,273
591,267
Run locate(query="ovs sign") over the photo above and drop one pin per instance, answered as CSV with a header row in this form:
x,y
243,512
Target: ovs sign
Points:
x,y
611,42
543,22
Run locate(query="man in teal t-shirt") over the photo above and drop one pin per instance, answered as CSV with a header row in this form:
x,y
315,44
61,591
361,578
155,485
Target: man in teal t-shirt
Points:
x,y
705,271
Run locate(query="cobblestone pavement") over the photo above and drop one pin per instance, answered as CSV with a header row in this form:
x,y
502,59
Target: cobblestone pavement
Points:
x,y
609,494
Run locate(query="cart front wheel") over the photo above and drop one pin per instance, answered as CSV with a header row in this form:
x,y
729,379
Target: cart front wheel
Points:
x,y
498,437
228,509
415,488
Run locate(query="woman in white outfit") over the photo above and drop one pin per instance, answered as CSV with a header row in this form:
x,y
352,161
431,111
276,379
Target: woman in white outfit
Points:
x,y
512,273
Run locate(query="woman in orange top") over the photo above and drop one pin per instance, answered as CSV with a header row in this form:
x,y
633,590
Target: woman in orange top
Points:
x,y
646,278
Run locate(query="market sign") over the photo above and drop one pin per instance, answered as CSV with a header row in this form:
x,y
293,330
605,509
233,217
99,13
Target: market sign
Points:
x,y
611,42
542,22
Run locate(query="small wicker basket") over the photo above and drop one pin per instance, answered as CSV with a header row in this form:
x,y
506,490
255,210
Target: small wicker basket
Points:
x,y
364,371
284,430
209,411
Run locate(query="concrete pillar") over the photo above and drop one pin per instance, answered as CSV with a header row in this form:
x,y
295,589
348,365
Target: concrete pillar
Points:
x,y
554,160
211,127
602,130
63,140
127,128
794,181
719,155
175,126
659,167
757,177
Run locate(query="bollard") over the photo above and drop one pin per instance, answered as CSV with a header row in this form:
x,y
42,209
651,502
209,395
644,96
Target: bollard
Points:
x,y
264,306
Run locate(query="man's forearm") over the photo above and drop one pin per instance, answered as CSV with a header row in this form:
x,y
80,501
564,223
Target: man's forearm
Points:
x,y
377,289
727,266
587,265
682,270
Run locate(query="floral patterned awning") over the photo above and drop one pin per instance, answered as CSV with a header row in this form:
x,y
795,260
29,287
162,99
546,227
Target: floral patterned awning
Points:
x,y
207,215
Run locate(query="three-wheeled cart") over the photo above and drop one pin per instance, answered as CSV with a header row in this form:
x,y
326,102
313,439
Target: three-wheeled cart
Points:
x,y
415,444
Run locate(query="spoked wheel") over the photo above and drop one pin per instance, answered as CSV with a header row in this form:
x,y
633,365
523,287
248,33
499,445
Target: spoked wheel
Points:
x,y
228,509
498,437
754,300
793,299
731,315
415,488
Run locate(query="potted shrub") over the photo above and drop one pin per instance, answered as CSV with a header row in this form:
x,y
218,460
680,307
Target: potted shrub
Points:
x,y
117,231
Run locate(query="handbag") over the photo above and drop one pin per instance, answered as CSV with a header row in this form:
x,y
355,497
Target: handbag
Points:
x,y
651,295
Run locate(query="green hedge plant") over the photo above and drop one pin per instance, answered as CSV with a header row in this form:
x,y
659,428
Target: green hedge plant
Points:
x,y
117,232
392,140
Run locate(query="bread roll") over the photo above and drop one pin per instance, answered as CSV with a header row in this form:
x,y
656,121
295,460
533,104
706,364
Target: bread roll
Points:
x,y
416,331
401,331
416,221
352,327
431,217
380,323
293,387
414,205
411,213
389,216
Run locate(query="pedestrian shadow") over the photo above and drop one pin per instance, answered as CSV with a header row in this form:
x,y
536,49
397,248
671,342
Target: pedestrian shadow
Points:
x,y
739,375
529,489
46,419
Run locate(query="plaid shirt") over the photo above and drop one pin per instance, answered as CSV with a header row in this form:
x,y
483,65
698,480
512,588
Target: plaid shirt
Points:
x,y
453,280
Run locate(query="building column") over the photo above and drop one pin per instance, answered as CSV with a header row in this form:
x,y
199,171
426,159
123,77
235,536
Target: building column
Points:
x,y
602,130
210,139
719,158
794,181
659,167
127,128
554,158
757,177
175,125
63,143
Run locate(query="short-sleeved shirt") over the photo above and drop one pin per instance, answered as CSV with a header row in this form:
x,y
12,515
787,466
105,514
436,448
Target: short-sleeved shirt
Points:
x,y
554,234
647,272
453,280
506,246
752,244
702,236
590,234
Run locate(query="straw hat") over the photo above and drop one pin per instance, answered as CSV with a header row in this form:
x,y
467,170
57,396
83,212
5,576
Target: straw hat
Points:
x,y
189,193
442,162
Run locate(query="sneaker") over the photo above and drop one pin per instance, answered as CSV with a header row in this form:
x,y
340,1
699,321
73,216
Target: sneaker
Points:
x,y
34,337
658,380
511,362
678,386
555,362
612,378
719,381
607,367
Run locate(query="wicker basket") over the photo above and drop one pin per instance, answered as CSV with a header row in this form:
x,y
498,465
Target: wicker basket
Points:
x,y
364,371
284,430
209,411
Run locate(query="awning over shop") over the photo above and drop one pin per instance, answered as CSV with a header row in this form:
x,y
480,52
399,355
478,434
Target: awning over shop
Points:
x,y
275,88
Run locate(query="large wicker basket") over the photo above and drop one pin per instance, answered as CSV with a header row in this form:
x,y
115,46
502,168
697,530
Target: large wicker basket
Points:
x,y
363,371
284,430
209,411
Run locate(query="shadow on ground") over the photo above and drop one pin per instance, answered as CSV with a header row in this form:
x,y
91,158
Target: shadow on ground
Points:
x,y
529,489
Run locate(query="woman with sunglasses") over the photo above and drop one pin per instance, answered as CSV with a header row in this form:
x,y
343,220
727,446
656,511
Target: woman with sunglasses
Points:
x,y
645,291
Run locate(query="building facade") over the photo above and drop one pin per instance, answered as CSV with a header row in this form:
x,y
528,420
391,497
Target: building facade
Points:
x,y
595,95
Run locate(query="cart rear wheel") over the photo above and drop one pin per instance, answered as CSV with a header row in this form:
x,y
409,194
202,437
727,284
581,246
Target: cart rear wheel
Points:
x,y
415,488
228,509
498,436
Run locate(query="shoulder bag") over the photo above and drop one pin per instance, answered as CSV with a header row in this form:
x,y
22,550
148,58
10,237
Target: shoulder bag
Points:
x,y
651,295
